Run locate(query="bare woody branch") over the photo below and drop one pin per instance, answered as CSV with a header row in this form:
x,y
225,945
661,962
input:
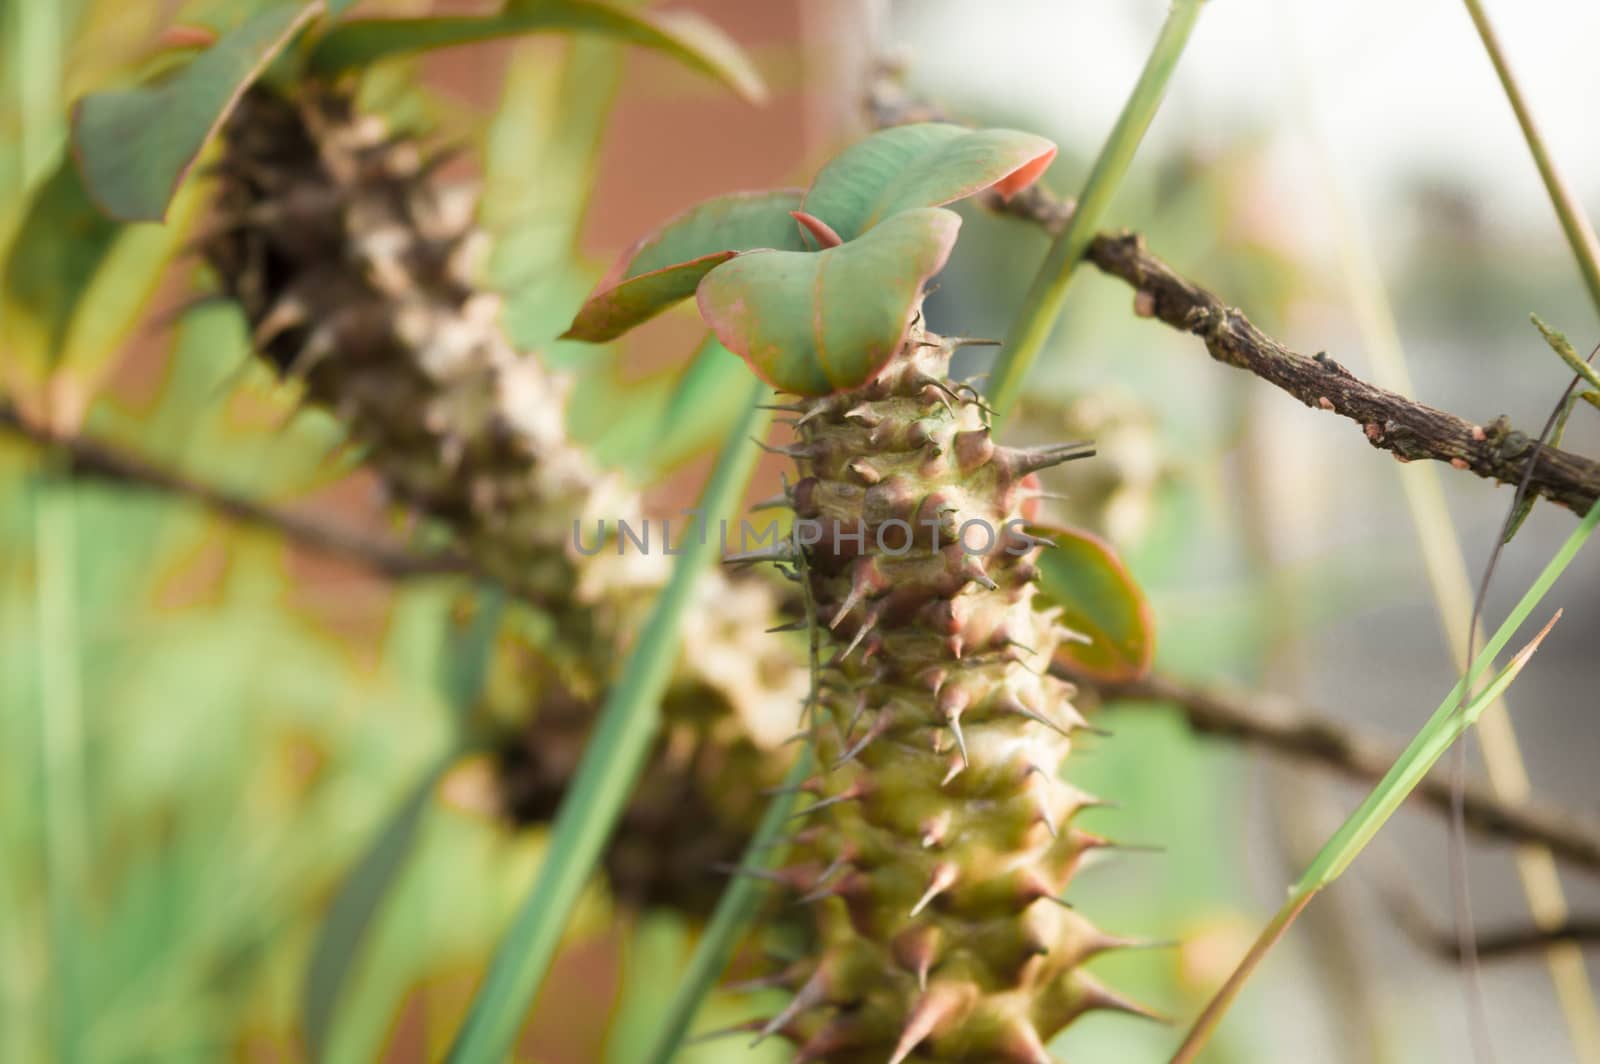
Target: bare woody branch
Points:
x,y
1407,429
1277,725
89,458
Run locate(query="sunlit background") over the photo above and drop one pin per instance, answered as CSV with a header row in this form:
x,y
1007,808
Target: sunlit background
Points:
x,y
204,727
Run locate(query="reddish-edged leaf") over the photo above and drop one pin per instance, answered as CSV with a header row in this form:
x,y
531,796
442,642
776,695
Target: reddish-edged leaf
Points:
x,y
684,35
1099,599
136,145
666,266
814,323
922,165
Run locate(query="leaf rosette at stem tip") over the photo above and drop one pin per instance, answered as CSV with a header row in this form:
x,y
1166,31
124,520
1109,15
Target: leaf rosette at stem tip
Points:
x,y
826,311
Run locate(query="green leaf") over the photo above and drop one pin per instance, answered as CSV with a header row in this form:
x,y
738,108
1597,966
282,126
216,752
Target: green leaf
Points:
x,y
136,145
924,165
357,903
683,35
61,244
668,265
818,322
1099,598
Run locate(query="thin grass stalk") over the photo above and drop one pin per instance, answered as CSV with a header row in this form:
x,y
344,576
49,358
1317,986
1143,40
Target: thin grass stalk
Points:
x,y
611,765
1574,223
1047,294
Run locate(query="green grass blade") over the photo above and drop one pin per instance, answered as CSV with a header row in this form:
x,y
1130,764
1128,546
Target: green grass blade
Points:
x,y
356,905
463,672
1448,722
1415,762
735,909
1042,305
1394,788
606,775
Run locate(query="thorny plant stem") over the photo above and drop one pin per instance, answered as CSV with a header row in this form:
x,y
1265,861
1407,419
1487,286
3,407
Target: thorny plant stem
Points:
x,y
606,775
1043,302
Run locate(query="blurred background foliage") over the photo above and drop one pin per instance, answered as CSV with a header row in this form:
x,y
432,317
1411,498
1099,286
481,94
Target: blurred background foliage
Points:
x,y
207,732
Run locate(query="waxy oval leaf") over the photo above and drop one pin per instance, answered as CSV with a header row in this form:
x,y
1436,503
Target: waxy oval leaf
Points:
x,y
685,36
667,266
135,146
818,322
923,165
1099,599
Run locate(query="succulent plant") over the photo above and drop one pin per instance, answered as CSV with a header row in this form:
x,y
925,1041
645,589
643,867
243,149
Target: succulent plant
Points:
x,y
939,839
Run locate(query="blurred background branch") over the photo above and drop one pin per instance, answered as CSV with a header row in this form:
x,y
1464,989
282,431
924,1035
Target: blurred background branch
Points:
x,y
1280,726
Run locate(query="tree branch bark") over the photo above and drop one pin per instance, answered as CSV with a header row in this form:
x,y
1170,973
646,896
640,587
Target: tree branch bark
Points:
x,y
1407,429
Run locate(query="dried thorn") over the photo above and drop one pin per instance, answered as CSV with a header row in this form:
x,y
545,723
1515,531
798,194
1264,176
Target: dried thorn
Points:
x,y
1033,715
971,341
781,408
1134,847
867,624
879,726
810,994
1034,459
792,626
780,552
822,803
961,742
1048,820
944,877
821,889
855,716
932,1010
780,501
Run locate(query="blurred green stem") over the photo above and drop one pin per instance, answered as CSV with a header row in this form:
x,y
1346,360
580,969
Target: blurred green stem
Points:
x,y
1580,234
1042,305
611,764
61,754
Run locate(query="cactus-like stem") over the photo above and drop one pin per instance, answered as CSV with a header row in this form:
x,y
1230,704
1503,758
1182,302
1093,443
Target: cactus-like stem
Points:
x,y
355,266
940,834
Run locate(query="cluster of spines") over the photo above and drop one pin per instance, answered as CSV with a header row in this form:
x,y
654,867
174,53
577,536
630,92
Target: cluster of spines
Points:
x,y
938,839
354,259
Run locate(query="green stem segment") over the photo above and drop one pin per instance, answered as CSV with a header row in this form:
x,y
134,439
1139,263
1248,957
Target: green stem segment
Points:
x,y
1042,305
735,909
1446,725
606,776
1580,234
